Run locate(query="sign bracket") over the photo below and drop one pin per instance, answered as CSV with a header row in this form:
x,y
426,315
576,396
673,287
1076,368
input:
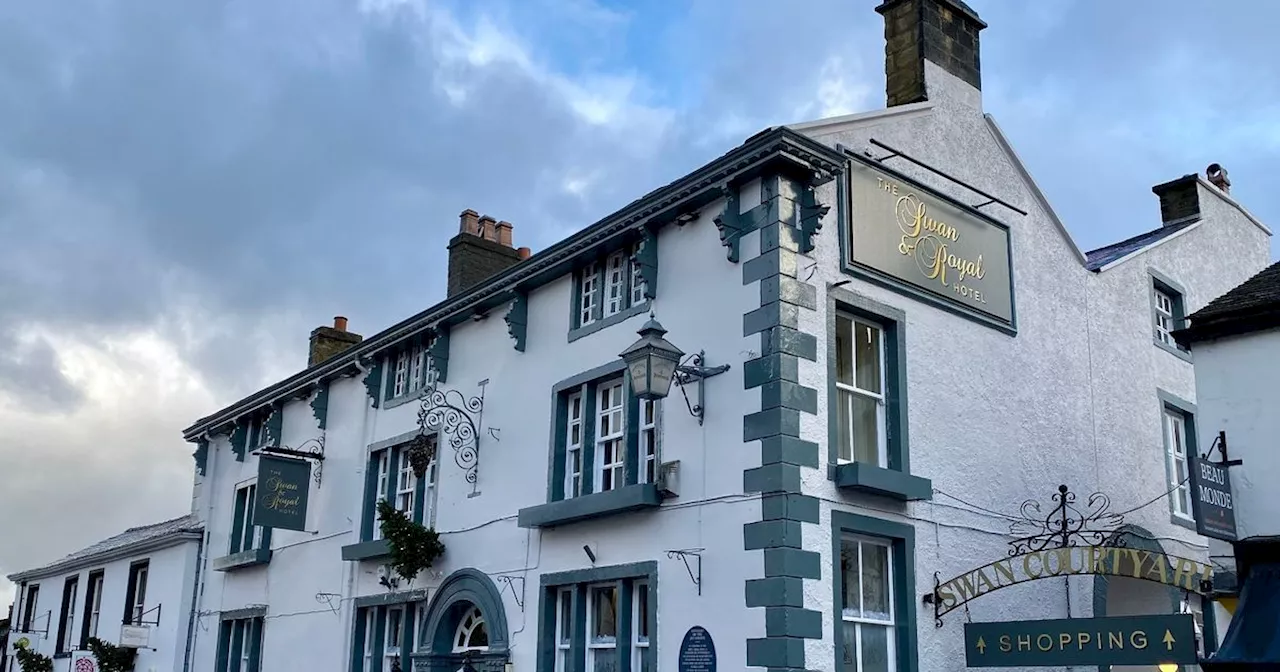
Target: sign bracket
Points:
x,y
47,616
508,581
940,173
311,449
695,570
142,617
1220,442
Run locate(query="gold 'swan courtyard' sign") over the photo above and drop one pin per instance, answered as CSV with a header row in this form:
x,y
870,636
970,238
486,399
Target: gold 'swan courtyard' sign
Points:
x,y
906,233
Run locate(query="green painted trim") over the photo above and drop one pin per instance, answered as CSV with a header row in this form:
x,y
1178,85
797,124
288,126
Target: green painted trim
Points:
x,y
893,322
775,591
366,550
474,586
645,262
557,456
394,441
1162,282
255,644
517,319
789,506
273,427
772,478
240,439
771,315
770,422
1170,401
368,503
548,617
631,441
792,562
379,635
224,645
903,537
320,406
609,370
778,366
776,653
771,534
357,642
373,382
792,622
201,456
635,570
626,499
788,290
786,394
438,352
240,614
251,558
769,264
239,513
606,322
879,481
810,216
780,232
788,450
403,597
790,342
237,644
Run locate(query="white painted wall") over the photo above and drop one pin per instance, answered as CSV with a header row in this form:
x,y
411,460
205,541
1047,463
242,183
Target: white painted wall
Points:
x,y
170,578
1235,389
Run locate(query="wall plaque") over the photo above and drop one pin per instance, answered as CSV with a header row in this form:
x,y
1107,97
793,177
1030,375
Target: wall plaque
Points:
x,y
697,651
917,239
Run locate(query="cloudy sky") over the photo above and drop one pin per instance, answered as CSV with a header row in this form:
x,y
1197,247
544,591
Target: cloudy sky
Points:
x,y
187,188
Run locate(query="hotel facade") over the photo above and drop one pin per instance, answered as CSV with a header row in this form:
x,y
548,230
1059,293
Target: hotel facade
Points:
x,y
915,347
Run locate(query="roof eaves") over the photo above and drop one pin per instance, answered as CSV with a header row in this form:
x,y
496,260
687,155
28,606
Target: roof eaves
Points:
x,y
139,548
1156,241
668,201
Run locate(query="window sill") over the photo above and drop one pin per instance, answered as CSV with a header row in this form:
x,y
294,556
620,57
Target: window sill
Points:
x,y
1173,350
62,654
879,481
366,550
588,507
250,558
1183,521
606,322
402,399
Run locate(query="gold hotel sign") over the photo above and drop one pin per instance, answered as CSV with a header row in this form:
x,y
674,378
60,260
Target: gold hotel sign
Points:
x,y
1170,570
904,232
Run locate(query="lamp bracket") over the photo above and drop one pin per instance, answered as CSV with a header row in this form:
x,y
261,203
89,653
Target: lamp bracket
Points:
x,y
696,371
695,570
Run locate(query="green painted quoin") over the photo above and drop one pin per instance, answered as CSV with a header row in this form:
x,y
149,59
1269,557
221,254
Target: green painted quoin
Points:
x,y
787,219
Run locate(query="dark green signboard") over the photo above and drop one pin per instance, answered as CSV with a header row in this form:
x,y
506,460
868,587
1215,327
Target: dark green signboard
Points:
x,y
1211,500
283,485
1116,640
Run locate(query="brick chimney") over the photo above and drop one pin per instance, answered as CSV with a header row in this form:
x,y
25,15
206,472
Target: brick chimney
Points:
x,y
943,32
1179,200
481,250
329,341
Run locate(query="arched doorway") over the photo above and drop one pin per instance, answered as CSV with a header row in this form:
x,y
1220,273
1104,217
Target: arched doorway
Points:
x,y
465,627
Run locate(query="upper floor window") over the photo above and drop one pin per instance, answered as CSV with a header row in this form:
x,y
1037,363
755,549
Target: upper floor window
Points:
x,y
1164,317
611,287
245,535
66,627
136,593
860,385
390,477
1177,464
606,438
92,607
411,371
1168,313
29,612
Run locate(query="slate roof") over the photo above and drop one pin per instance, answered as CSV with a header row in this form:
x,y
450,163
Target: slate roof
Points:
x,y
130,538
1102,256
1254,305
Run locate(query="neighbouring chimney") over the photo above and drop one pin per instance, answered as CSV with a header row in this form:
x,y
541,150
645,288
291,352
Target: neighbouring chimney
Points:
x,y
481,250
944,32
1217,176
1179,200
329,341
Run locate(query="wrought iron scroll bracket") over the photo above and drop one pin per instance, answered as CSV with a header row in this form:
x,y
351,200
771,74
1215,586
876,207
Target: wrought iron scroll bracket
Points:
x,y
311,449
695,569
508,581
1066,524
448,413
696,372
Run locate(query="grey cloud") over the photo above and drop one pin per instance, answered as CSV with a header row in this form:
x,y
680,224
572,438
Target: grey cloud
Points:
x,y
29,373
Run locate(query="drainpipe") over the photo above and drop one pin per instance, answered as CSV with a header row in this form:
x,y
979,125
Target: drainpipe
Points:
x,y
197,590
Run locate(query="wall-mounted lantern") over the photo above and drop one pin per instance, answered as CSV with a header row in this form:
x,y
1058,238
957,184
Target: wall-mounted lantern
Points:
x,y
654,364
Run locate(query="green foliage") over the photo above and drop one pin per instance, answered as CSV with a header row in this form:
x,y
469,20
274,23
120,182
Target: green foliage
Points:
x,y
32,661
112,658
413,547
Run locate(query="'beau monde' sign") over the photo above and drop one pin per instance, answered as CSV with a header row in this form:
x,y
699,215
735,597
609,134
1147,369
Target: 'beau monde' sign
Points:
x,y
913,238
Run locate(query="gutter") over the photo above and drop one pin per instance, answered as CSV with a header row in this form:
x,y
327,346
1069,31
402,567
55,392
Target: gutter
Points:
x,y
670,200
148,546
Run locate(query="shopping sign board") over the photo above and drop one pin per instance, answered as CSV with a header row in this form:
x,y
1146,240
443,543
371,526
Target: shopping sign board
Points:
x,y
1117,640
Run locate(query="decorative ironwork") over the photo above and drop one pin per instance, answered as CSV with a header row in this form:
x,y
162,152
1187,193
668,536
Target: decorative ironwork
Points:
x,y
449,412
694,570
311,449
696,372
1066,524
508,581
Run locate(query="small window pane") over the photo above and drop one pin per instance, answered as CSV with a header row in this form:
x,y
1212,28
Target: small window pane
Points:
x,y
604,624
875,648
844,409
849,573
867,356
875,581
866,429
850,651
844,350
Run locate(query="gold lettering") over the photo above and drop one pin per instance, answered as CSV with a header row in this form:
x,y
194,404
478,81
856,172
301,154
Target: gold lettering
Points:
x,y
1159,569
1138,639
1115,560
926,239
1024,642
945,596
1139,557
964,586
1004,569
1183,572
1056,567
1115,640
1006,644
982,578
1068,555
1026,565
1044,643
1094,564
1083,638
1064,638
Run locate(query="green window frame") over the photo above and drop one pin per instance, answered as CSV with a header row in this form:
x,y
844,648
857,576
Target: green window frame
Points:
x,y
409,370
1168,313
245,535
601,618
608,289
587,460
240,644
1179,440
67,617
899,541
389,475
384,632
884,392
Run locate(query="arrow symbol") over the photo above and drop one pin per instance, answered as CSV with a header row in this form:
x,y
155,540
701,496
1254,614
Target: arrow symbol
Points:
x,y
982,645
1168,640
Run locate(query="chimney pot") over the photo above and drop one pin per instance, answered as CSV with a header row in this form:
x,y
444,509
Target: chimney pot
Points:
x,y
327,342
479,253
504,233
487,228
340,323
1218,177
525,253
469,222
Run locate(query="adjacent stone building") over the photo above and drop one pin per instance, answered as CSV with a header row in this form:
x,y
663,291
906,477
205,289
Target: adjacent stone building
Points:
x,y
914,345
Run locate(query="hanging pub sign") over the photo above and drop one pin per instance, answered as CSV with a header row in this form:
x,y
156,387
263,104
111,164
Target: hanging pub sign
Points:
x,y
281,499
1167,639
1211,502
914,239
